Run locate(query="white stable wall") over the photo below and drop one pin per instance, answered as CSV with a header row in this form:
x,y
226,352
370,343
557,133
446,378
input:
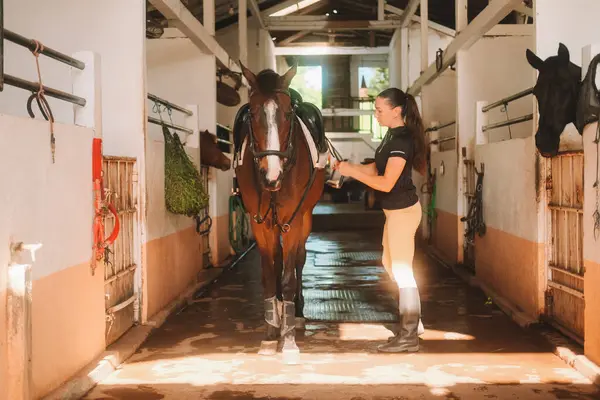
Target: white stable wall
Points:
x,y
68,309
260,56
178,72
495,67
412,60
116,33
51,204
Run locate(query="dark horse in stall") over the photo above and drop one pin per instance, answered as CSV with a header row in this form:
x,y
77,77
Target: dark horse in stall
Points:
x,y
557,92
279,187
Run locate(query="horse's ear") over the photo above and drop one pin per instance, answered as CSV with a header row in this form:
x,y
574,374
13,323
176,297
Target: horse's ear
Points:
x,y
563,53
286,79
250,77
534,60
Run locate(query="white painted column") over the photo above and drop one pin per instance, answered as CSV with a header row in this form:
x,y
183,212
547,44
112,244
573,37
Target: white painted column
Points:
x,y
461,15
424,35
87,83
243,30
208,15
404,63
481,119
192,122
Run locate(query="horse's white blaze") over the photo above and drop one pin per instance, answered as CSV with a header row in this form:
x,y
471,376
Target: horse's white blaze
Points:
x,y
273,162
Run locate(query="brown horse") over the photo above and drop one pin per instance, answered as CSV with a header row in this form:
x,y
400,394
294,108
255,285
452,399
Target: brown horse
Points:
x,y
279,188
210,154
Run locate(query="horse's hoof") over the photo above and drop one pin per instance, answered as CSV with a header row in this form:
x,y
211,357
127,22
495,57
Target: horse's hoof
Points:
x,y
300,323
268,348
291,356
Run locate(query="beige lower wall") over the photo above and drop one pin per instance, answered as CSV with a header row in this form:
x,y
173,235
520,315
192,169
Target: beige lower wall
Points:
x,y
510,266
592,311
223,248
68,325
173,263
3,355
445,236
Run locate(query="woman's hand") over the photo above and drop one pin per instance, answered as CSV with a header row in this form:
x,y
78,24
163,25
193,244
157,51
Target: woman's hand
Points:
x,y
344,167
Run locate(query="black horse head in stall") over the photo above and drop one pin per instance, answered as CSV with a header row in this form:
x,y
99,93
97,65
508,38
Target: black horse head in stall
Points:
x,y
557,92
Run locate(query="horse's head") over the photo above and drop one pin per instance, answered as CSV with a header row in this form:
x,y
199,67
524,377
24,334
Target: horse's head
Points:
x,y
210,154
272,123
556,91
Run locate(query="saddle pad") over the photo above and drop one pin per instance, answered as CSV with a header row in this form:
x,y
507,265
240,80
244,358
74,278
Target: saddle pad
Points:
x,y
319,160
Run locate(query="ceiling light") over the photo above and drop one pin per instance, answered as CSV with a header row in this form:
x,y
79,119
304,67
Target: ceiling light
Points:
x,y
327,14
335,11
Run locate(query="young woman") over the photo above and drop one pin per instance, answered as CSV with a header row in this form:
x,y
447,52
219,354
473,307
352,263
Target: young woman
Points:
x,y
402,149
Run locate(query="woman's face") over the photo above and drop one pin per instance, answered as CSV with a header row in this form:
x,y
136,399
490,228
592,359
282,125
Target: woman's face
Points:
x,y
385,114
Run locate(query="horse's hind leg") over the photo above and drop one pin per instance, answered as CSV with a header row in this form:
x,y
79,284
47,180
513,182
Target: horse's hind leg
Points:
x,y
300,261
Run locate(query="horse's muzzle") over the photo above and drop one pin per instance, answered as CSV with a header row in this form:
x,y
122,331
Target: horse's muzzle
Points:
x,y
272,186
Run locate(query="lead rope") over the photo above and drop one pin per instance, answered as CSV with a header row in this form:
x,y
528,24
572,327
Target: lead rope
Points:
x,y
41,98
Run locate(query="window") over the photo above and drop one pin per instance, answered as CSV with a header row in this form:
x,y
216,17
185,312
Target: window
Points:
x,y
309,82
376,80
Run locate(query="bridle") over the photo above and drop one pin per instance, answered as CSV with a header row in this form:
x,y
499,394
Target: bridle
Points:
x,y
288,157
287,154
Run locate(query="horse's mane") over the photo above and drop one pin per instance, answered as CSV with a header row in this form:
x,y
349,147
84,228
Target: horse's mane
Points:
x,y
268,81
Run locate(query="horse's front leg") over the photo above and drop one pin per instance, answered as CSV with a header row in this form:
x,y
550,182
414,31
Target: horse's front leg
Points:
x,y
267,242
289,284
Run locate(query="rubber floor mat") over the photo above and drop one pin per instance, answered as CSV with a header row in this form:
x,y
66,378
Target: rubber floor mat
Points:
x,y
319,294
347,311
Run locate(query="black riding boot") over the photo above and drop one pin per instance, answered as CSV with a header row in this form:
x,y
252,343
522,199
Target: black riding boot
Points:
x,y
407,340
396,328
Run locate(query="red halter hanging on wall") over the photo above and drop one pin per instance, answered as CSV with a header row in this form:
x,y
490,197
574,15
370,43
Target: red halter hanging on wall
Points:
x,y
101,208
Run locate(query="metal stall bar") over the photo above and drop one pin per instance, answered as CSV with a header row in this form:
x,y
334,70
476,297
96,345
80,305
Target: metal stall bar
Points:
x,y
442,140
169,125
34,87
173,106
437,128
513,121
47,51
508,99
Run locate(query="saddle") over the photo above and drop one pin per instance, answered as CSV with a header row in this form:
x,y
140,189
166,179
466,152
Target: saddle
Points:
x,y
308,113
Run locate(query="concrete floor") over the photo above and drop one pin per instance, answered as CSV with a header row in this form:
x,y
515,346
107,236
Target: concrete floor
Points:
x,y
470,349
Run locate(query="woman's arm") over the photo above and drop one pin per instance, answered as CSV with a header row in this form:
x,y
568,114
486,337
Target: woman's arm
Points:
x,y
368,169
385,183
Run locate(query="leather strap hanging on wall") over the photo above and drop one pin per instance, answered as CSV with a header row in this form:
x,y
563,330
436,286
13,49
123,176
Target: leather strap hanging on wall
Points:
x,y
101,207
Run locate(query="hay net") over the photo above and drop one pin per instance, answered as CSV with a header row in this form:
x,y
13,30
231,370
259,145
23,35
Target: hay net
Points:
x,y
184,192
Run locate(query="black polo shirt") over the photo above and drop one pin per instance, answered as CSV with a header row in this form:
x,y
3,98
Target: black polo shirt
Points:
x,y
397,143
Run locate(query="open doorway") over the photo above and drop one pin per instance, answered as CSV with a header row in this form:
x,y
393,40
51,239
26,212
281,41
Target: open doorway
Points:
x,y
309,83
